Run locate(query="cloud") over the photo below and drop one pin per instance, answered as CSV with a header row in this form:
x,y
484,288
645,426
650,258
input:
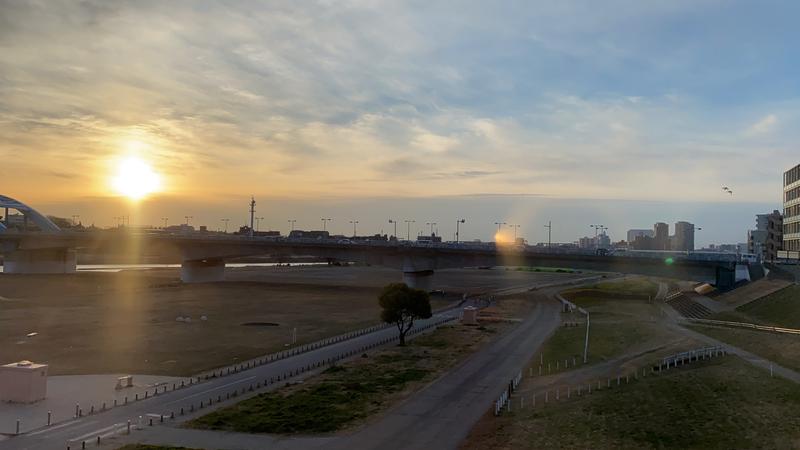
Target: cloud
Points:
x,y
358,99
763,126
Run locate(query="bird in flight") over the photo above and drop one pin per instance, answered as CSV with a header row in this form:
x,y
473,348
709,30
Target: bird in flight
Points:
x,y
727,189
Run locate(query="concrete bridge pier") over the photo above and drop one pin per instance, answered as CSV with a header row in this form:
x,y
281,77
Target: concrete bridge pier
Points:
x,y
422,279
203,270
47,260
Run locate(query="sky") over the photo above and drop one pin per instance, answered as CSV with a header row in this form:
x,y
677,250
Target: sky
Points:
x,y
622,114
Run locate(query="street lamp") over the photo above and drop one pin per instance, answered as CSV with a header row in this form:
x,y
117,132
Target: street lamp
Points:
x,y
225,221
408,231
292,222
355,223
549,227
432,224
188,218
515,227
165,219
395,227
325,221
75,218
459,221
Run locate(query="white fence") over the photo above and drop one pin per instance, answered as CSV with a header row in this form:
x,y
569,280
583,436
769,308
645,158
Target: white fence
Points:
x,y
502,401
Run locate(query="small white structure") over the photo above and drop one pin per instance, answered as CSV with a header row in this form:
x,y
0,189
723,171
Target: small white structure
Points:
x,y
23,382
124,382
470,316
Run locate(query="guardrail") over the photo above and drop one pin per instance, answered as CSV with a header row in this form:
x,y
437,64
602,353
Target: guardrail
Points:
x,y
745,325
692,355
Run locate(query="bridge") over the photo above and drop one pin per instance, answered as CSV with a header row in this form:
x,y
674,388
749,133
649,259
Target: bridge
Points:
x,y
203,257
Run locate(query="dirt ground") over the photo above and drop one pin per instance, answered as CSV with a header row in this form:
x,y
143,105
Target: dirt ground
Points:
x,y
126,322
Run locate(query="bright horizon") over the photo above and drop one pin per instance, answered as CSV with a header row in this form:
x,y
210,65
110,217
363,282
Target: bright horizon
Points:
x,y
635,113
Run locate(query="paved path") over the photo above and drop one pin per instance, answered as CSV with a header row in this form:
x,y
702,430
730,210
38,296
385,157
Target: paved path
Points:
x,y
440,416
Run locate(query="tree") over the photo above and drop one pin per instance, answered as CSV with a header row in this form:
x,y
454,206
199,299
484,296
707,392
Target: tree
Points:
x,y
401,305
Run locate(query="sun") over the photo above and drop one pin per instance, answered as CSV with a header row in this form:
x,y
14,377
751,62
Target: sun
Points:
x,y
135,179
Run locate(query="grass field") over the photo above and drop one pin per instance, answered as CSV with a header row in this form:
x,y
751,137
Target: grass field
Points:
x,y
126,322
622,319
349,393
719,404
784,349
781,308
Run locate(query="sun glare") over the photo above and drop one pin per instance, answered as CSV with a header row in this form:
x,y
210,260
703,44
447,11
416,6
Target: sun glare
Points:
x,y
135,179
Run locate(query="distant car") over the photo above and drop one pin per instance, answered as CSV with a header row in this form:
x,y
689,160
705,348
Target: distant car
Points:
x,y
344,241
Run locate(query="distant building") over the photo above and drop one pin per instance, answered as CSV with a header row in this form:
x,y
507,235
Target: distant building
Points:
x,y
661,237
316,234
586,243
429,238
767,238
633,234
245,231
791,211
683,241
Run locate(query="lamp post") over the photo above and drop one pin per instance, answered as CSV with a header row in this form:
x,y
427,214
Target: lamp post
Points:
x,y
500,225
165,219
355,223
549,227
291,227
324,222
432,224
75,218
459,221
188,218
516,227
596,229
408,230
394,222
225,221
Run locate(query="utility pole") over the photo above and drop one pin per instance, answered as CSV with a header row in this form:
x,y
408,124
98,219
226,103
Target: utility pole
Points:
x,y
408,230
549,227
459,221
324,221
395,227
354,222
252,213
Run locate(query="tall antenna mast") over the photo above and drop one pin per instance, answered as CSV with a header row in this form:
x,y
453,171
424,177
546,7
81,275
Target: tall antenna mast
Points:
x,y
252,213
